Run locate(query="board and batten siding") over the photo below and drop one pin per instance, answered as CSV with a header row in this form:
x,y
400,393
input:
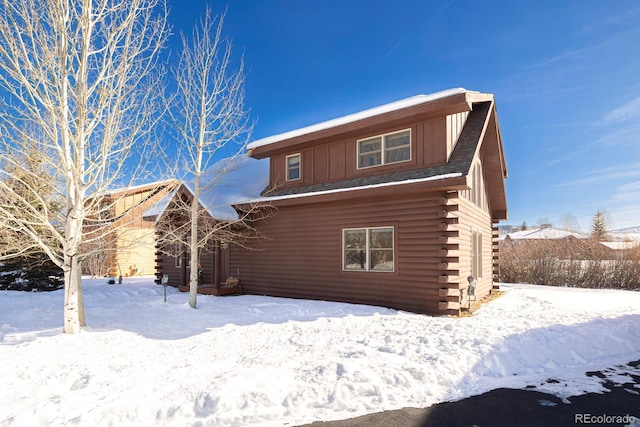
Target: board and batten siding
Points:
x,y
474,217
302,254
432,142
455,123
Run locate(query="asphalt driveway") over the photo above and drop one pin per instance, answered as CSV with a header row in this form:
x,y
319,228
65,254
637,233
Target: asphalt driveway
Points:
x,y
508,407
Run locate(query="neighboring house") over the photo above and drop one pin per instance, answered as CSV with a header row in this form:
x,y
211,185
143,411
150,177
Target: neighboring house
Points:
x,y
130,248
229,181
393,206
544,232
569,244
555,257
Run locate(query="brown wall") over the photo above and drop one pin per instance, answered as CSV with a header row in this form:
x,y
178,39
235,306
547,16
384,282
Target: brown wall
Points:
x,y
336,161
472,218
210,272
303,256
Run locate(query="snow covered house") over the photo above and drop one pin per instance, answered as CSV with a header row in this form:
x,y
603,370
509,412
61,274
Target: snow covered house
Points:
x,y
229,181
569,244
543,233
392,206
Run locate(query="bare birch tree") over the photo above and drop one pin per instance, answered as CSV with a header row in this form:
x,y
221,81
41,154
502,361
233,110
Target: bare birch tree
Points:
x,y
79,84
209,118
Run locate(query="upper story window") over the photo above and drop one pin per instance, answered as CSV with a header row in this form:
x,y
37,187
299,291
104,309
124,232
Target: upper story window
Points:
x,y
293,167
383,149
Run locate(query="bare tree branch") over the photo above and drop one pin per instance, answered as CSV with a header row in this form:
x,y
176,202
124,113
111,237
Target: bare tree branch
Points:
x,y
209,119
81,85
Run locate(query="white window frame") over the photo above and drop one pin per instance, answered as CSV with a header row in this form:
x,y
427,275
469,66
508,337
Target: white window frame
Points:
x,y
287,170
368,249
383,139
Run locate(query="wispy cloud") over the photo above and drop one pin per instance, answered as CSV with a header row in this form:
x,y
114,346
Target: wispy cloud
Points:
x,y
625,135
563,56
625,113
628,192
606,174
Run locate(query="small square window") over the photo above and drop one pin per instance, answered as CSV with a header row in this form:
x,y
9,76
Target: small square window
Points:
x,y
293,167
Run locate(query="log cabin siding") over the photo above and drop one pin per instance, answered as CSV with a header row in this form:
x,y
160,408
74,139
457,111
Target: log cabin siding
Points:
x,y
166,264
474,219
135,248
438,203
210,273
303,255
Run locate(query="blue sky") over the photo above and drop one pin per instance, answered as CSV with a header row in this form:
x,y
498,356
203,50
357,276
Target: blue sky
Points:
x,y
565,74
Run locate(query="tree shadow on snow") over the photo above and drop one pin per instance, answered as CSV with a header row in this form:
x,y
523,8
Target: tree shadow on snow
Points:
x,y
143,311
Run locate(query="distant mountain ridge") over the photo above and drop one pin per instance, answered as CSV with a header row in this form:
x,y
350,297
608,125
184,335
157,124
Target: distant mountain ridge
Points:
x,y
620,233
626,230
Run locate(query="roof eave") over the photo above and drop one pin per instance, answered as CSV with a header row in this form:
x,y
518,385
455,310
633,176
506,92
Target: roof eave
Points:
x,y
457,102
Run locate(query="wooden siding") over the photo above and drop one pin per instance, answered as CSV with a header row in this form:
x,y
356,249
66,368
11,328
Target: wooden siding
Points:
x,y
474,219
337,160
133,240
136,249
213,268
455,123
373,124
166,264
302,256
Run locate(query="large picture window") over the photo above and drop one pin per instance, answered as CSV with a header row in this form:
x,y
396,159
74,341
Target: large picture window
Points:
x,y
383,149
368,249
293,167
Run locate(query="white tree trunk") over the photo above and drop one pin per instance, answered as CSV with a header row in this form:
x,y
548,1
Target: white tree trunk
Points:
x,y
71,296
79,86
193,246
208,117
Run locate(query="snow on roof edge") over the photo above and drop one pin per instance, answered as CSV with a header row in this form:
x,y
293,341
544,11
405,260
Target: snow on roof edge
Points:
x,y
393,106
362,187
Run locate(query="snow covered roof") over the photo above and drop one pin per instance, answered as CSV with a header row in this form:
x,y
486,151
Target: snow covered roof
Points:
x,y
344,189
544,233
134,188
393,106
232,181
229,181
622,245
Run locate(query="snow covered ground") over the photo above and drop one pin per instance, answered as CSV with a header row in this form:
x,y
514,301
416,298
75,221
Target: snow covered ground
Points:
x,y
249,360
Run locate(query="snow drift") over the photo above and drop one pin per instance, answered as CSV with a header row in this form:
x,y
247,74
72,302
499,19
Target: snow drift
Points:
x,y
252,360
